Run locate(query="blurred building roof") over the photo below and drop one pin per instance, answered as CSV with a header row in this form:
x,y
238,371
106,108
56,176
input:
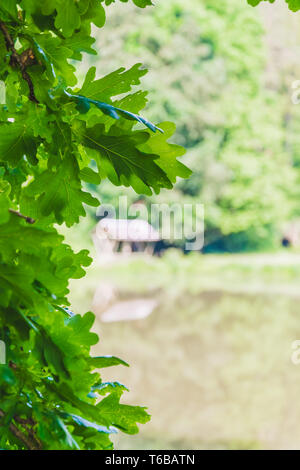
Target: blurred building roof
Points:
x,y
133,230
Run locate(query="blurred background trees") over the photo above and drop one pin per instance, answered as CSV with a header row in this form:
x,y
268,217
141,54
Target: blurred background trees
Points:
x,y
210,71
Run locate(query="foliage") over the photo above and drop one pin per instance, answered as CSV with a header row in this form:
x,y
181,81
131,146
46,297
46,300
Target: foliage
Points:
x,y
230,121
50,133
293,5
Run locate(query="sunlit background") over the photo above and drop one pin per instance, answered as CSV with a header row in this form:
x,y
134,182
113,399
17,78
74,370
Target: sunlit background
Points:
x,y
208,335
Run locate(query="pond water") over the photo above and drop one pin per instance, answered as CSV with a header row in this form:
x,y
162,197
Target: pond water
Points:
x,y
213,367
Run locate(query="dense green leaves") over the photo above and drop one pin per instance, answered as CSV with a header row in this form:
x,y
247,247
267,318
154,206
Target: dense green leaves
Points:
x,y
50,137
293,5
139,3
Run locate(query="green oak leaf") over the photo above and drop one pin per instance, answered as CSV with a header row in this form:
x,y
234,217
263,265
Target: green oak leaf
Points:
x,y
54,54
8,10
95,13
100,362
80,42
168,153
68,18
122,416
59,192
16,140
118,82
118,157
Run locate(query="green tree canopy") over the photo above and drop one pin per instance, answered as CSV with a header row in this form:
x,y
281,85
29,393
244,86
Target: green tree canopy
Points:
x,y
50,132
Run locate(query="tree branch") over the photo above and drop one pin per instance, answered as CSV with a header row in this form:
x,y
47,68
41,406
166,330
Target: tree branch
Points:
x,y
17,60
30,442
26,423
29,220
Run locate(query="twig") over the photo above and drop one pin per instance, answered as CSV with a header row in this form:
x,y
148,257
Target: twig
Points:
x,y
23,421
29,220
26,423
30,442
18,60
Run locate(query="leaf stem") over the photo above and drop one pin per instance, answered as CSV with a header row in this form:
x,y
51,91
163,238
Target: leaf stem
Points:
x,y
29,220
